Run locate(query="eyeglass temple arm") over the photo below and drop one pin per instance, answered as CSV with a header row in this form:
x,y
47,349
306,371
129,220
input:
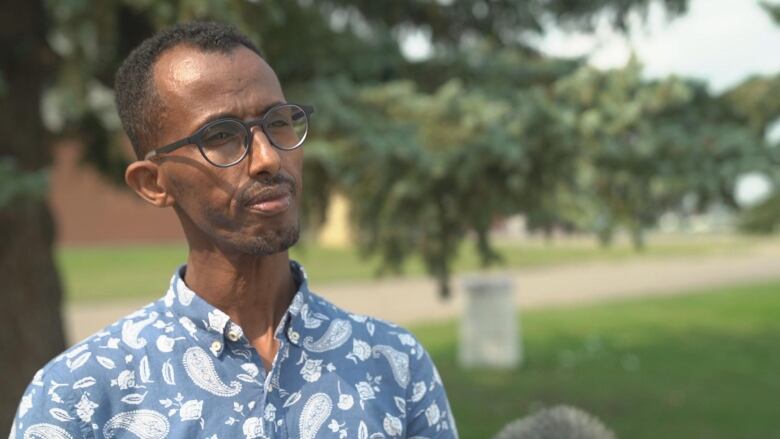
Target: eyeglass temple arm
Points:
x,y
168,148
308,109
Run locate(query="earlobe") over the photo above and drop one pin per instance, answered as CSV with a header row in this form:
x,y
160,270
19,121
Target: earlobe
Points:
x,y
145,179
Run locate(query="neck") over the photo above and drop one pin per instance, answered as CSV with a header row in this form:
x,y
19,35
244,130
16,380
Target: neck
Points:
x,y
254,291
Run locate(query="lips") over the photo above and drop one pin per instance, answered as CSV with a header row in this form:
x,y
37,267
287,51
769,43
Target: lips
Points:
x,y
270,201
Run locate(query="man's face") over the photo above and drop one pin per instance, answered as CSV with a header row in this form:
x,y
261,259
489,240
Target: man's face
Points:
x,y
249,208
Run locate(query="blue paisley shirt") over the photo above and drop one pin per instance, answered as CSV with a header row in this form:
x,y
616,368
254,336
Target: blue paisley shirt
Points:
x,y
180,368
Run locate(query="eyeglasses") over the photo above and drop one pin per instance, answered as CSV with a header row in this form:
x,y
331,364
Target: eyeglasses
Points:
x,y
225,142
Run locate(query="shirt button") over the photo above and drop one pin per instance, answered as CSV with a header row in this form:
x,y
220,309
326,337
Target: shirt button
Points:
x,y
233,335
269,387
216,347
294,336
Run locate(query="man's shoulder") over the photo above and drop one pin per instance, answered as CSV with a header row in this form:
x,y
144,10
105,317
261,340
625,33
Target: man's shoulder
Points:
x,y
107,372
363,328
103,353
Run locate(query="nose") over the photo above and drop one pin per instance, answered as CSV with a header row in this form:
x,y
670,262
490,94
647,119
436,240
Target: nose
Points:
x,y
263,157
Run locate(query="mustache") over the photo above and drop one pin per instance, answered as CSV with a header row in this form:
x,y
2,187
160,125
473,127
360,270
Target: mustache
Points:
x,y
278,182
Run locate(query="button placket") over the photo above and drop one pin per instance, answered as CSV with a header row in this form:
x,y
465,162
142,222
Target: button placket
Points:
x,y
294,336
216,347
234,333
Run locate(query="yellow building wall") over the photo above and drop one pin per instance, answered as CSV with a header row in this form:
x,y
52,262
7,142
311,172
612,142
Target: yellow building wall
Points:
x,y
336,231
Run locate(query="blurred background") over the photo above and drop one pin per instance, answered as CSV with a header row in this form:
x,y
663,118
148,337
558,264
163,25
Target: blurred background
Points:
x,y
616,162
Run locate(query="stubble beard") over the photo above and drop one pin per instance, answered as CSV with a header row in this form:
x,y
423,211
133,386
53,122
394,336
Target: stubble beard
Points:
x,y
270,242
265,242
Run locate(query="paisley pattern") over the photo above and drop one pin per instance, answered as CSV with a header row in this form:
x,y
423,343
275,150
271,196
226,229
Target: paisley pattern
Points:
x,y
314,413
181,368
131,330
253,428
309,321
337,334
45,431
399,363
145,424
201,370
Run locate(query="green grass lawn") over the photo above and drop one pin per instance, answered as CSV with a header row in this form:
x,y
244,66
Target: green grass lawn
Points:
x,y
693,366
143,271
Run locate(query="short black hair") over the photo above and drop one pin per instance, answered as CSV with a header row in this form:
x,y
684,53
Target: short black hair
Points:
x,y
137,100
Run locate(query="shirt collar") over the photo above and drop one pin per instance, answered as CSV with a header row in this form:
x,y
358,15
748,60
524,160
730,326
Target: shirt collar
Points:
x,y
208,325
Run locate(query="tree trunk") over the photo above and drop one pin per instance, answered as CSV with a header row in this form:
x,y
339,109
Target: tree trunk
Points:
x,y
31,326
638,237
606,236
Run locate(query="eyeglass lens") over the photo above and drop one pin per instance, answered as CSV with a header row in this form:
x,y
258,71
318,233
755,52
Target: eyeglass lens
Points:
x,y
225,142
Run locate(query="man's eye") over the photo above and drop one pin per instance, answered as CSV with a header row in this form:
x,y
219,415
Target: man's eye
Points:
x,y
279,124
219,138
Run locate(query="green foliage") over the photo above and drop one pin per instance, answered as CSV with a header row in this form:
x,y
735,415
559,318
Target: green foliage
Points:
x,y
18,187
424,170
504,22
757,101
650,144
763,218
772,9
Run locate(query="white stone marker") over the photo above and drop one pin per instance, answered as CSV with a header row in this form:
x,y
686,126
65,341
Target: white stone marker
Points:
x,y
489,335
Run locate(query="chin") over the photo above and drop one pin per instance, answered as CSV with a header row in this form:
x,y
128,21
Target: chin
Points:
x,y
269,242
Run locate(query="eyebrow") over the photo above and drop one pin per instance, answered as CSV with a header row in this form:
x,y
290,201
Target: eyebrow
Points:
x,y
227,114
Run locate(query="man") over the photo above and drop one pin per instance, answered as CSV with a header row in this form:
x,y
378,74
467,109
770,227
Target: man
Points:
x,y
238,346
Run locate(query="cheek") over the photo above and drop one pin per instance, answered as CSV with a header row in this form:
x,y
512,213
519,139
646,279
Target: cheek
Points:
x,y
200,194
294,167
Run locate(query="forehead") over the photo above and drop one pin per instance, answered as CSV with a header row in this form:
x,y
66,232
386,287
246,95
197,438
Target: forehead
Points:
x,y
190,80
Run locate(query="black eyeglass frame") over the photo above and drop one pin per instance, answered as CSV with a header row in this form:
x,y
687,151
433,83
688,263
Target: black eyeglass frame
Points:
x,y
197,137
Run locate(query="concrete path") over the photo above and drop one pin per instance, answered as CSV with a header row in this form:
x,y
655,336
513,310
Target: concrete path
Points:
x,y
415,300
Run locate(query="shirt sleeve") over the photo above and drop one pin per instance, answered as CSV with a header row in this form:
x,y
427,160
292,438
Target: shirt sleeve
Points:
x,y
47,410
428,411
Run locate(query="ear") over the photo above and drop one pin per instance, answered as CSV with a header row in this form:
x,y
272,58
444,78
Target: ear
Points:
x,y
145,178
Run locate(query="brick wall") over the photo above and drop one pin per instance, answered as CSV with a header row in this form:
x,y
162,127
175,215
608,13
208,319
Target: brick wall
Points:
x,y
89,209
